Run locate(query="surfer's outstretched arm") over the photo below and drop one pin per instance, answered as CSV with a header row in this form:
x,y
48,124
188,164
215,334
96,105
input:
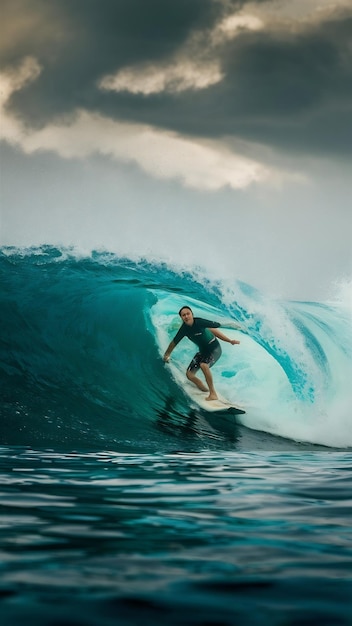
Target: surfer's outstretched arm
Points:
x,y
168,351
217,333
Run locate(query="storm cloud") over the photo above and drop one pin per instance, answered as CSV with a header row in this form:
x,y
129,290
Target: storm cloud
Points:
x,y
207,68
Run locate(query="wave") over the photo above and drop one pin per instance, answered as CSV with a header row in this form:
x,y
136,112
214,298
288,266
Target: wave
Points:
x,y
82,338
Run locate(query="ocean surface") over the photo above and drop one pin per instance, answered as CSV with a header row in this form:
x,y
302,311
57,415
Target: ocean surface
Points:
x,y
122,501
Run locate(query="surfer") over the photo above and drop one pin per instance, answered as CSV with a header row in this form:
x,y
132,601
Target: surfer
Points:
x,y
205,335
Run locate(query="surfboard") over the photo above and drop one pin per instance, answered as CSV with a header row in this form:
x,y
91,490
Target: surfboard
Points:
x,y
221,404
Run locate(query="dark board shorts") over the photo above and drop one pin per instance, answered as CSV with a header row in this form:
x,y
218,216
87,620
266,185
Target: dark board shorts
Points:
x,y
209,357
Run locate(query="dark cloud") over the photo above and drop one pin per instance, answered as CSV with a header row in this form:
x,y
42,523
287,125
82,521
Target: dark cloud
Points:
x,y
98,38
292,90
78,42
116,31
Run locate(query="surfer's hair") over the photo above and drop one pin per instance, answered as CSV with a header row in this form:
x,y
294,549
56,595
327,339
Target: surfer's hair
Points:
x,y
185,307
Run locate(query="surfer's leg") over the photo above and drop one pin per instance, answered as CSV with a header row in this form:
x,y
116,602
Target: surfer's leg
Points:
x,y
209,380
193,378
205,365
192,370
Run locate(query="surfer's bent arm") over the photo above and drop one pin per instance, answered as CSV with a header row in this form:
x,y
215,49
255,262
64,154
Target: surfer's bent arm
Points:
x,y
168,351
217,333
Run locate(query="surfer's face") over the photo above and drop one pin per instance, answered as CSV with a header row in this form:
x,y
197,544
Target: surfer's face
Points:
x,y
187,316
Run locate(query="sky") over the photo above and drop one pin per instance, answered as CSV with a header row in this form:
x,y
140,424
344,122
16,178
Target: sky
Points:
x,y
203,133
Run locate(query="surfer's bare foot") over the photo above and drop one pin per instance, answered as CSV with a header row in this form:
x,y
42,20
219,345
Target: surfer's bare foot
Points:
x,y
212,396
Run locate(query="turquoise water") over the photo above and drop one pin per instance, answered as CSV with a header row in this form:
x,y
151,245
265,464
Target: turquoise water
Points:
x,y
121,502
175,538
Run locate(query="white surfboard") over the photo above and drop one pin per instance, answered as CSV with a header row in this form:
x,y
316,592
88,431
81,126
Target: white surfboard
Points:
x,y
221,404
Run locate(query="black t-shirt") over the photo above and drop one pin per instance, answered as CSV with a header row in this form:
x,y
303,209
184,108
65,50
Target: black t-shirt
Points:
x,y
199,333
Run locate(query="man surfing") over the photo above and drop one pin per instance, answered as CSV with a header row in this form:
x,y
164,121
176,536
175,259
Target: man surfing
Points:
x,y
205,335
